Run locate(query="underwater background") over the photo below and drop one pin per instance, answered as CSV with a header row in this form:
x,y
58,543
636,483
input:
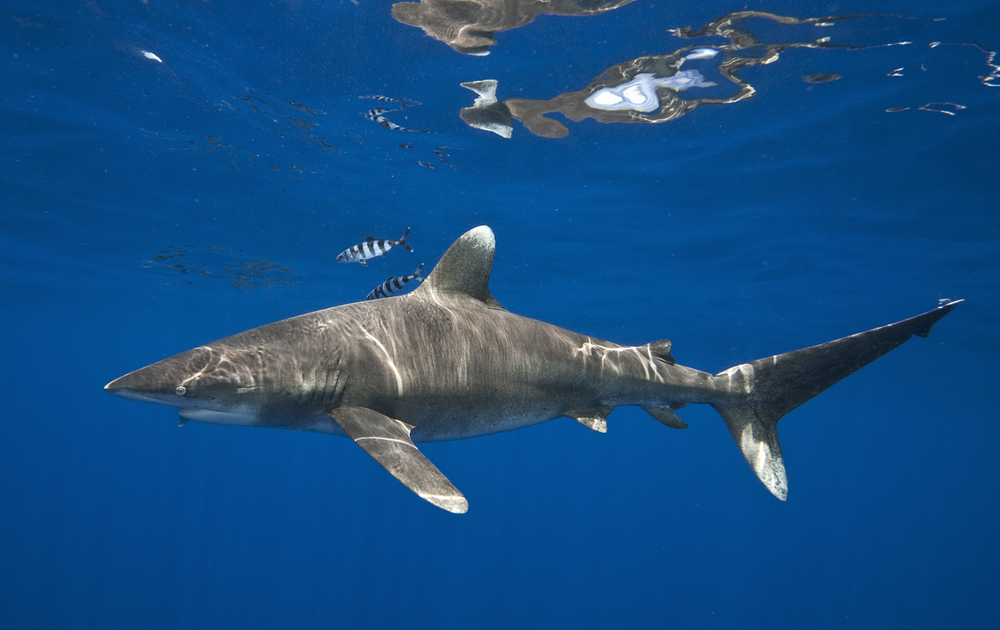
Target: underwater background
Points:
x,y
176,172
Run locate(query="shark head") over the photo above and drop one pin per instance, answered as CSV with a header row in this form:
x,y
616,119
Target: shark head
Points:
x,y
206,379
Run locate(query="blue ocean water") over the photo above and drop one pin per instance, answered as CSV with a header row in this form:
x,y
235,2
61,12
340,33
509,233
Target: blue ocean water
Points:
x,y
156,203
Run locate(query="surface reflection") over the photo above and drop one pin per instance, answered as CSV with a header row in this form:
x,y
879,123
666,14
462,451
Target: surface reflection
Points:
x,y
468,25
658,88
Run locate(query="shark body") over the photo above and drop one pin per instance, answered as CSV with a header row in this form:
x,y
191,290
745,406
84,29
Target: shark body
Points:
x,y
447,362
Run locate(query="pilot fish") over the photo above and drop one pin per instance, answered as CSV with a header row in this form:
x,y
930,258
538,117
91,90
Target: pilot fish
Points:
x,y
370,248
391,285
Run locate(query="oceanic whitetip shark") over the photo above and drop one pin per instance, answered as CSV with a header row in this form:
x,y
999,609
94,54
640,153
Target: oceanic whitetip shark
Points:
x,y
447,362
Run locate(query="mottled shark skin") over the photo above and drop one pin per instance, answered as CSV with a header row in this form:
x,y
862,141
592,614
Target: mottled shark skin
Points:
x,y
447,362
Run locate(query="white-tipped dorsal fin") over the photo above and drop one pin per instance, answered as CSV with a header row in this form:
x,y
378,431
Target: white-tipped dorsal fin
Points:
x,y
465,268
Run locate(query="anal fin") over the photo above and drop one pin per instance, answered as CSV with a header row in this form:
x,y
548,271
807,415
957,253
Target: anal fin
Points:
x,y
388,441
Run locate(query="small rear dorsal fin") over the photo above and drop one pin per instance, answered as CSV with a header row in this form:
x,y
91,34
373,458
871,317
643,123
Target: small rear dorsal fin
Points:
x,y
661,349
465,268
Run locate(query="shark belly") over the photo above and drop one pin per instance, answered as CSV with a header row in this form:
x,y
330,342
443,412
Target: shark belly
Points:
x,y
461,417
455,373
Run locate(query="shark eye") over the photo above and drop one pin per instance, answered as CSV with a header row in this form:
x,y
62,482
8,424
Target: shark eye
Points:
x,y
181,390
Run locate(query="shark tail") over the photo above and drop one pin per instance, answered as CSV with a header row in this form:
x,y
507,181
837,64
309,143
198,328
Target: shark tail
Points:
x,y
765,390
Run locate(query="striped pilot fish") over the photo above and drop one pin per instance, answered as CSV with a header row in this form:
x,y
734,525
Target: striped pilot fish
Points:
x,y
370,248
391,285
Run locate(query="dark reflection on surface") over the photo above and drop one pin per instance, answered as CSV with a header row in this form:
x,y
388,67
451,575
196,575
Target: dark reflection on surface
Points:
x,y
276,117
820,78
658,88
242,272
468,25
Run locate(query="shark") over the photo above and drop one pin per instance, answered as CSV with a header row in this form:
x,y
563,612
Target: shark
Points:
x,y
447,362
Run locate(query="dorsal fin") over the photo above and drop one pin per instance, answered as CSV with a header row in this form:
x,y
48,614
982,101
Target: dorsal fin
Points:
x,y
465,268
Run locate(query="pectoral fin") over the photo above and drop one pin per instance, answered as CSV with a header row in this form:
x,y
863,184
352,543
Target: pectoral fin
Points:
x,y
388,442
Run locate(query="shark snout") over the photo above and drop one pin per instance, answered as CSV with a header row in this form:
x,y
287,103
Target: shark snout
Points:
x,y
129,387
123,386
159,383
121,383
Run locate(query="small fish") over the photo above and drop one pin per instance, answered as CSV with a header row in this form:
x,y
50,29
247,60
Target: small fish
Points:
x,y
378,114
390,99
391,285
370,248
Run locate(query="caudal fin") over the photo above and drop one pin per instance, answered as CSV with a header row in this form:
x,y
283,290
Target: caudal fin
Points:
x,y
402,241
766,389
